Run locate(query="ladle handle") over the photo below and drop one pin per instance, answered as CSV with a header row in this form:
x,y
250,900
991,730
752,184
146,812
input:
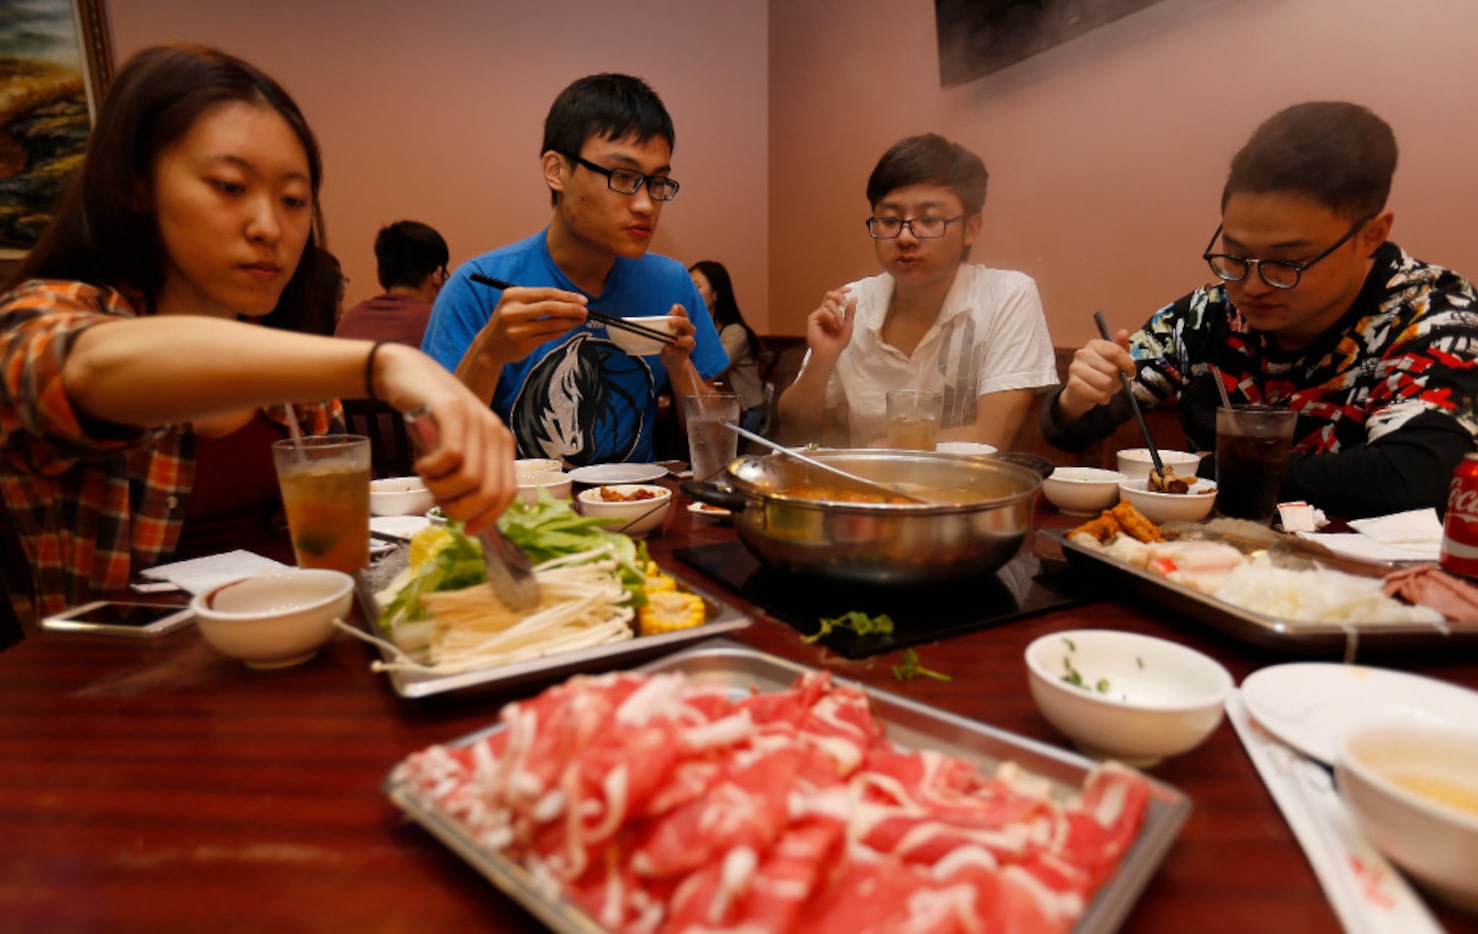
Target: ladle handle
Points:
x,y
890,489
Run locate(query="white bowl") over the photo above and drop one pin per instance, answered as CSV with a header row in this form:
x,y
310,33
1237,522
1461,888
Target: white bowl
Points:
x,y
274,620
399,496
532,465
436,516
1082,491
636,344
1136,462
1434,840
1141,698
556,482
970,448
630,517
1160,508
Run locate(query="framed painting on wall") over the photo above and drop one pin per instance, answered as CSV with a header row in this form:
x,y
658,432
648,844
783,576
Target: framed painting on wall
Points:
x,y
55,61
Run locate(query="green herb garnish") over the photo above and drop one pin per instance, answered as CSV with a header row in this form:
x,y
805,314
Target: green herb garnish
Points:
x,y
856,621
910,668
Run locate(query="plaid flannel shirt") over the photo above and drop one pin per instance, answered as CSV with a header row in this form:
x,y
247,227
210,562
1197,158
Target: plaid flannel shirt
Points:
x,y
89,501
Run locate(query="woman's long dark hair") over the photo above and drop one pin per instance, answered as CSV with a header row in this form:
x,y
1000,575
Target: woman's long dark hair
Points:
x,y
725,310
104,231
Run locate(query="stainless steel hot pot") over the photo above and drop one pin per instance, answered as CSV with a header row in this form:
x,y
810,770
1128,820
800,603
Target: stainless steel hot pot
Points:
x,y
978,524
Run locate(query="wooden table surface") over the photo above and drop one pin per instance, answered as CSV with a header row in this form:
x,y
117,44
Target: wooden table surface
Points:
x,y
159,786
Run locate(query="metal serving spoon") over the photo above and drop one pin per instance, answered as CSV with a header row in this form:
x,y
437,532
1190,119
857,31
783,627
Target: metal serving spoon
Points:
x,y
762,475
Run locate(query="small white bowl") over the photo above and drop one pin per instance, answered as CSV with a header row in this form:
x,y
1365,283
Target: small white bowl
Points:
x,y
1141,698
1434,840
556,482
274,620
968,448
1136,462
636,344
1082,491
634,517
1160,508
436,516
399,496
532,465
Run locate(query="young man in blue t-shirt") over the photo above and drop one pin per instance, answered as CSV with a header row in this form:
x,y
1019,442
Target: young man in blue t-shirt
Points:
x,y
561,383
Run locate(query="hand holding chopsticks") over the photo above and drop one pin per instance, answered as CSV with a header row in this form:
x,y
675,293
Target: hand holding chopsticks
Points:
x,y
1144,427
609,320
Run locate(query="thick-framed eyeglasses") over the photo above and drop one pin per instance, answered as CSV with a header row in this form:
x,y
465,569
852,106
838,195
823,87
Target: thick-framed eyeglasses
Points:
x,y
925,228
1278,273
629,181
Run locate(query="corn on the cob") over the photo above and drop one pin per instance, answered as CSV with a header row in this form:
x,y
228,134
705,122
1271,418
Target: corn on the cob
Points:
x,y
669,611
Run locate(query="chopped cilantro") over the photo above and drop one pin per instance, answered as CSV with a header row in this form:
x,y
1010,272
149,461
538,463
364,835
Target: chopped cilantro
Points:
x,y
910,668
858,622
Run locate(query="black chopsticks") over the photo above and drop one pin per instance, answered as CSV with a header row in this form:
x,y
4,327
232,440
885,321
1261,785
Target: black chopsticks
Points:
x,y
1149,442
610,321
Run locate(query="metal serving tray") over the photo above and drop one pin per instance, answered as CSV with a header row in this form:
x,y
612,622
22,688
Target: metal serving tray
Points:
x,y
909,724
1327,639
721,618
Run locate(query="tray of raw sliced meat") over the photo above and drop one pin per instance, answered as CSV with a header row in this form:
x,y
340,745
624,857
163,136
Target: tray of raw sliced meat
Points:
x,y
723,789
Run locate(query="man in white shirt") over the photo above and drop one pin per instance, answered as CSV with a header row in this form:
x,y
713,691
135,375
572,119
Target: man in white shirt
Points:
x,y
931,321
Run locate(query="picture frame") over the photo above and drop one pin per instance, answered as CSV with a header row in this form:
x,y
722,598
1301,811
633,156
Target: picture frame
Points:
x,y
56,60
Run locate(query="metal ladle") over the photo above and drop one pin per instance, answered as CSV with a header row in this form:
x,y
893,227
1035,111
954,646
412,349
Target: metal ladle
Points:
x,y
761,475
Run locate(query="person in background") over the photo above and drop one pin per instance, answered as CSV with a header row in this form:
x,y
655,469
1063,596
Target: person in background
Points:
x,y
410,262
713,283
930,321
142,390
1314,309
567,391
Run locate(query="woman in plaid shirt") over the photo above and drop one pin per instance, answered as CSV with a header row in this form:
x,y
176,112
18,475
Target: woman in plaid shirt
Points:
x,y
133,342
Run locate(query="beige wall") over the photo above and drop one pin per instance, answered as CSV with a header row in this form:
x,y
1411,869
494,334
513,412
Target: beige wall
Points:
x,y
1107,154
434,110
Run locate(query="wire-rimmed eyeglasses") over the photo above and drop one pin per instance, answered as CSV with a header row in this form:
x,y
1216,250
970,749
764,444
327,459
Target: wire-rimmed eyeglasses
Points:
x,y
1278,273
629,181
924,228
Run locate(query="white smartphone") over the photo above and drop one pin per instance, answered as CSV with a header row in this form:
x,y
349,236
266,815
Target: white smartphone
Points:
x,y
121,619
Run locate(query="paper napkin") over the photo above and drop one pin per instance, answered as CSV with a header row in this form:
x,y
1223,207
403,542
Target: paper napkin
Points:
x,y
1415,535
199,575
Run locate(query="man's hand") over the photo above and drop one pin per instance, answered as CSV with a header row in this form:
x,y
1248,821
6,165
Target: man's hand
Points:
x,y
675,355
1093,376
829,328
527,318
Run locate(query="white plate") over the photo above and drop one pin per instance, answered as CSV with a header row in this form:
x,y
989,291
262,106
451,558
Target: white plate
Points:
x,y
713,512
399,526
966,447
1312,705
598,474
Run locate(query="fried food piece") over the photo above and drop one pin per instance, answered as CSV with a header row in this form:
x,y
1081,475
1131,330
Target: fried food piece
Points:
x,y
1101,529
1134,523
1168,482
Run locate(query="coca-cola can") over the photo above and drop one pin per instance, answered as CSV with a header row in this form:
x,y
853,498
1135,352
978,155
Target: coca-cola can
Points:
x,y
1460,530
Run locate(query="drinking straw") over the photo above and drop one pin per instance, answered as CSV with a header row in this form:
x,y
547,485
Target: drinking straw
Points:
x,y
1221,387
294,431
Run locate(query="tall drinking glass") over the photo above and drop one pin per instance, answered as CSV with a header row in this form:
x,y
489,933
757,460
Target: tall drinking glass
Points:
x,y
1252,443
913,419
711,446
325,490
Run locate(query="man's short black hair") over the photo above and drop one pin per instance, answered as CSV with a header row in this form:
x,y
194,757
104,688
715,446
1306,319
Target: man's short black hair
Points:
x,y
407,252
1339,154
930,160
609,106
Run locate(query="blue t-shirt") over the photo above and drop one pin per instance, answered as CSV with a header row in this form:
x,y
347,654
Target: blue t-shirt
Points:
x,y
578,398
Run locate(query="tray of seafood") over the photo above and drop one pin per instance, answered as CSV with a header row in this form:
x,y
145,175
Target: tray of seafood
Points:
x,y
745,792
1273,590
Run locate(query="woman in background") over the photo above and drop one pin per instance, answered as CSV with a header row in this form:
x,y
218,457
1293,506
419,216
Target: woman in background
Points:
x,y
739,340
141,390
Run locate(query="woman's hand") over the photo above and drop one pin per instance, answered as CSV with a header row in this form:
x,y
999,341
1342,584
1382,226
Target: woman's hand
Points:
x,y
471,470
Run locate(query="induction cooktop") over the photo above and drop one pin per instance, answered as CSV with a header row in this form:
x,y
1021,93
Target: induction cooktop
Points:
x,y
1025,586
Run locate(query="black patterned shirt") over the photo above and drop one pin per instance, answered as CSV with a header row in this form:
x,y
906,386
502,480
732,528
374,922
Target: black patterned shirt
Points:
x,y
1385,397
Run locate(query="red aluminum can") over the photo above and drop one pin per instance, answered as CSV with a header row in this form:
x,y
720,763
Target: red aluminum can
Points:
x,y
1460,530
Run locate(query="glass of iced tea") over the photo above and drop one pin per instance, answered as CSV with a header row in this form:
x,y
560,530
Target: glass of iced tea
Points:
x,y
1252,443
913,419
325,484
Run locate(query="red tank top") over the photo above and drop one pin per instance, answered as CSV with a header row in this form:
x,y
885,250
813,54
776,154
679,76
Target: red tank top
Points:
x,y
234,502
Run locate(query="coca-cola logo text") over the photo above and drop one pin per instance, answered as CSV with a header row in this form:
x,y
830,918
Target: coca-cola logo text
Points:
x,y
1462,501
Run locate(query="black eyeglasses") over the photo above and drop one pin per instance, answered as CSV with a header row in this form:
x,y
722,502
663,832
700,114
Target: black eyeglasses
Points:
x,y
629,181
925,228
1278,273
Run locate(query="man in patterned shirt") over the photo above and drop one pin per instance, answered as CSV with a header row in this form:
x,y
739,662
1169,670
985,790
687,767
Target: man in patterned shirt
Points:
x,y
1316,310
